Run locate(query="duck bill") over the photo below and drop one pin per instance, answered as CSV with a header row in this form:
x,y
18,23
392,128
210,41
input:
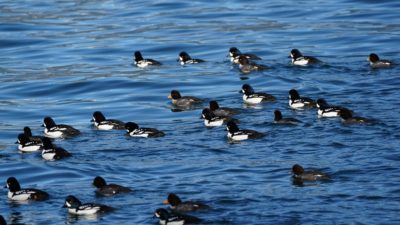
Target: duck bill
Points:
x,y
169,96
166,202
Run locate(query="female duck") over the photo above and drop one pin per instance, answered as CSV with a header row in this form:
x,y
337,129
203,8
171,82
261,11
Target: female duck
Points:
x,y
179,206
105,189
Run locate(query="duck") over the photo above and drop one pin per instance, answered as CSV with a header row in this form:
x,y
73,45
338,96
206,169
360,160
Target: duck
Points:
x,y
104,189
16,193
235,134
376,62
183,101
234,54
252,97
222,111
177,205
142,63
211,120
246,66
26,145
50,152
299,174
280,120
101,123
300,60
75,207
133,130
297,102
184,58
326,110
53,130
347,117
172,218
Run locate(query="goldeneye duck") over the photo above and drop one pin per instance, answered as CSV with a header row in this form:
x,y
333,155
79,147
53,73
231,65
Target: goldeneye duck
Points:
x,y
375,62
238,135
134,131
222,111
53,130
2,220
234,54
299,174
348,117
17,194
280,120
173,218
211,120
77,208
26,145
101,123
141,62
105,189
326,110
184,58
246,66
297,102
300,60
177,205
252,97
183,101
28,133
50,152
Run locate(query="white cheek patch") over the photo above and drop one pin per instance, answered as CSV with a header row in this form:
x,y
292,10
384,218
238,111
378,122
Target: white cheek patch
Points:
x,y
67,204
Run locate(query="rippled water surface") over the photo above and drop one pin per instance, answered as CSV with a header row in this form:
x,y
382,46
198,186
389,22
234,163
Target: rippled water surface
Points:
x,y
67,59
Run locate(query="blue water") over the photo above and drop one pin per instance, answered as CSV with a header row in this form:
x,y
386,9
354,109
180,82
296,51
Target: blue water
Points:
x,y
67,59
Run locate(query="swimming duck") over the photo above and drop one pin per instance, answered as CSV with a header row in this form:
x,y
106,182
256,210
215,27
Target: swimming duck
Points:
x,y
246,66
142,63
376,62
280,120
16,193
211,120
26,145
300,60
77,208
50,152
101,123
252,97
326,110
183,101
105,189
134,131
53,130
177,205
301,175
234,54
222,111
173,218
348,117
238,135
297,102
184,58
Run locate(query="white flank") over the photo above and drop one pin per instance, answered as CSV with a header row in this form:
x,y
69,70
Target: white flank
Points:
x,y
252,100
48,155
215,123
31,148
19,197
105,126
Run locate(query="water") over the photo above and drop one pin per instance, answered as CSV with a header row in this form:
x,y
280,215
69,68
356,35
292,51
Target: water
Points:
x,y
67,59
